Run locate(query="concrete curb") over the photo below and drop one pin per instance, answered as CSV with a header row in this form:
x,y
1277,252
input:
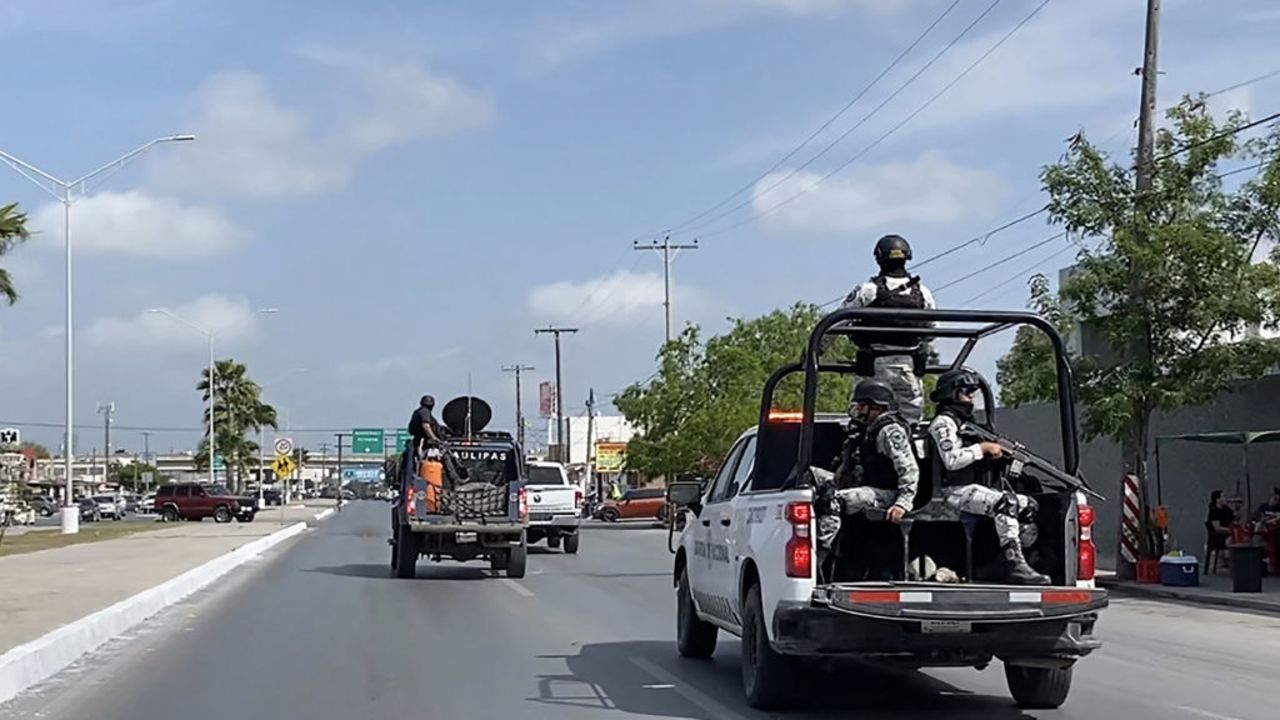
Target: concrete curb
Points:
x,y
44,657
1160,592
324,514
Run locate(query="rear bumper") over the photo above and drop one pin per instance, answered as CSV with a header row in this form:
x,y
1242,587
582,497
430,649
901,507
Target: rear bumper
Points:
x,y
801,628
563,521
419,526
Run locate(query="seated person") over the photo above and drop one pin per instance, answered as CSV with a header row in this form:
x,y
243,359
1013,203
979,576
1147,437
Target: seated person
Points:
x,y
879,471
1269,508
963,487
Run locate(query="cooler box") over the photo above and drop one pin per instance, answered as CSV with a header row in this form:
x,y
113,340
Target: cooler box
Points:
x,y
1180,571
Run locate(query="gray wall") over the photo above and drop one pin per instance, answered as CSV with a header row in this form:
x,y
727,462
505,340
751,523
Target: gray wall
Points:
x,y
1188,471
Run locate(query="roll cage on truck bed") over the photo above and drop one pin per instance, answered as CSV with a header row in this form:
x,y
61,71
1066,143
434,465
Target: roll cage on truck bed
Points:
x,y
746,559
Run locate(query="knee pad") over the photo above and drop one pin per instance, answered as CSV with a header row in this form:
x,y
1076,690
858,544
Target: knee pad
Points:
x,y
1028,514
1006,505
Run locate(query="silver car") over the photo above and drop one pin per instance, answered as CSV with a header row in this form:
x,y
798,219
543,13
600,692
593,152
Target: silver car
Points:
x,y
109,506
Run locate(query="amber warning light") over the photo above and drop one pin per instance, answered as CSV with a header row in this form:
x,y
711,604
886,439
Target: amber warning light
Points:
x,y
785,416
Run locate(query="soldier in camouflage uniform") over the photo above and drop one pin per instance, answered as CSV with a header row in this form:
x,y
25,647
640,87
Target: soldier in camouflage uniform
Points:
x,y
878,462
962,485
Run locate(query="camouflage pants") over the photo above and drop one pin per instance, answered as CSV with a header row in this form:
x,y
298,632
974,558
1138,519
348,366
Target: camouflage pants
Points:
x,y
982,500
899,373
851,501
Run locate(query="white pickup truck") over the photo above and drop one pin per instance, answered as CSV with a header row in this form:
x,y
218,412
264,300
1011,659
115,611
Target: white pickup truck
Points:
x,y
555,506
747,563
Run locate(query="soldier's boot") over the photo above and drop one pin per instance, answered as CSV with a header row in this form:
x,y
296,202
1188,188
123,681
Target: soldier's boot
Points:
x,y
1019,572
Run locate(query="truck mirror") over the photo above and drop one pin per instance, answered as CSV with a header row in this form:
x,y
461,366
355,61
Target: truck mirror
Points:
x,y
683,494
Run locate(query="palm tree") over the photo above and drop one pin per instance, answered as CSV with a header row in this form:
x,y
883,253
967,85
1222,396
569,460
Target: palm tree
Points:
x,y
238,409
13,230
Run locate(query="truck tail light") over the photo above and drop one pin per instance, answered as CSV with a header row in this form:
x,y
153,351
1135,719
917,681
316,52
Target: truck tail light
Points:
x,y
409,496
524,504
799,549
577,499
1086,553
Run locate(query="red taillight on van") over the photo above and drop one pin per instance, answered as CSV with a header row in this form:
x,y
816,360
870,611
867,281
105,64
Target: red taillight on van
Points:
x,y
1086,554
799,549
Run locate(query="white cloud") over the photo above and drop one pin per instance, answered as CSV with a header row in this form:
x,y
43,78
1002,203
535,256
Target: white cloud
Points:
x,y
622,298
250,144
231,320
929,189
135,223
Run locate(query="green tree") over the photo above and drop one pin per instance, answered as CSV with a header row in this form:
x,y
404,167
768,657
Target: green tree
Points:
x,y
238,410
130,476
1188,247
41,452
13,230
706,393
1028,372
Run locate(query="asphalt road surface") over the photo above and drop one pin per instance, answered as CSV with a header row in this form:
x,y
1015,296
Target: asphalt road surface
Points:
x,y
318,630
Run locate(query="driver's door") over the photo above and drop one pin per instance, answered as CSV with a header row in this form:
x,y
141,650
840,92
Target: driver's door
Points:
x,y
712,529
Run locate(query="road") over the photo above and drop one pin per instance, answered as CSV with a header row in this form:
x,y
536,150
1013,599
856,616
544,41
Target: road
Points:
x,y
319,630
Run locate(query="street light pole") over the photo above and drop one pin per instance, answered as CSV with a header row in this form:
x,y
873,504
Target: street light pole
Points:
x,y
65,192
560,421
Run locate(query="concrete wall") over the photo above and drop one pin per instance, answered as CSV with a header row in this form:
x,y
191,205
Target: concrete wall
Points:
x,y
1188,471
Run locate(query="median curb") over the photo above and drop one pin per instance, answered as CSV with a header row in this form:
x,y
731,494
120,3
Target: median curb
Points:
x,y
44,657
1191,597
324,514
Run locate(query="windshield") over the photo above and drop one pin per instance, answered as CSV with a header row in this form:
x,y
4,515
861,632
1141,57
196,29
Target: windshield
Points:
x,y
104,498
543,475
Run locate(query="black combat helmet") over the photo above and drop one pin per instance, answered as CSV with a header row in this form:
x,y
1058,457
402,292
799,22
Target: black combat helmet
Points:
x,y
875,392
952,382
428,402
893,251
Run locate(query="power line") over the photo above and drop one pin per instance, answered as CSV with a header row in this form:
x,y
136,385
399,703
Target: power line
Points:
x,y
1000,262
774,208
840,138
1215,137
861,93
1015,277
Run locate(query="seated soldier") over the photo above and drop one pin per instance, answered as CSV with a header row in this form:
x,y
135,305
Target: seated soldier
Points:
x,y
881,472
966,489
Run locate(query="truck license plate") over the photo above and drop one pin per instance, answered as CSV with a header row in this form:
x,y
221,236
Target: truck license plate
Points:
x,y
945,627
466,537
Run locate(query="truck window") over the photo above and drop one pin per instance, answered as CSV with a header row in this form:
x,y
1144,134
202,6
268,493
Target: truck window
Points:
x,y
721,484
743,471
543,475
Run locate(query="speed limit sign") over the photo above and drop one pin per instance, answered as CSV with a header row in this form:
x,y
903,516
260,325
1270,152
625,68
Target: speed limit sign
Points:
x,y
284,445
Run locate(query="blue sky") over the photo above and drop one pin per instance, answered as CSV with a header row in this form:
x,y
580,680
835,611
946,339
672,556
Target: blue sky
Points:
x,y
417,185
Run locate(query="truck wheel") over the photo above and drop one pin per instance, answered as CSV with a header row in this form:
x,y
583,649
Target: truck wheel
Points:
x,y
1038,688
222,514
553,541
695,637
768,677
498,561
170,514
407,555
516,562
571,544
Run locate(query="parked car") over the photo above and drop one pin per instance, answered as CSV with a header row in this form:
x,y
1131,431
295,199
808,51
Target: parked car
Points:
x,y
636,503
43,506
272,496
193,501
109,506
147,504
89,511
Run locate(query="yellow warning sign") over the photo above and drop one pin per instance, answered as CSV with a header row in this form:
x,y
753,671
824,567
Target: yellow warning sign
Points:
x,y
283,466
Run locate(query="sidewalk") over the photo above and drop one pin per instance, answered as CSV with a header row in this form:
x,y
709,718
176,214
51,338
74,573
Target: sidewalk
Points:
x,y
1214,590
46,589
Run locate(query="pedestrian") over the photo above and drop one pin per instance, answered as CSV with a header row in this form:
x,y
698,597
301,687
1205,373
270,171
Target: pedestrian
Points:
x,y
896,359
966,488
881,465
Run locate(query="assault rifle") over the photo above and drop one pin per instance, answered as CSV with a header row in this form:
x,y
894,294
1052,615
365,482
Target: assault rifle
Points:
x,y
1019,456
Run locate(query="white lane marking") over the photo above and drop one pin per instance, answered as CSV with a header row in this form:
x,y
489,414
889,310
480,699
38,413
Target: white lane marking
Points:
x,y
516,586
658,686
1204,713
704,702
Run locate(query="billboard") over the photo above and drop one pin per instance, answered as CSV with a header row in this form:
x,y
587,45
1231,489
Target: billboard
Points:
x,y
610,456
546,399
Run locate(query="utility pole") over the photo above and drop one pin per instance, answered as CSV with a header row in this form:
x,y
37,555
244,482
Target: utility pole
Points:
x,y
517,369
339,437
591,426
146,458
560,421
1135,448
107,409
667,256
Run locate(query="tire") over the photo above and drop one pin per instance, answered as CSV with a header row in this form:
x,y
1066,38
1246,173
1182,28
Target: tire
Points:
x,y
571,543
498,561
406,555
170,514
553,541
695,637
516,562
768,677
222,514
1038,688
609,515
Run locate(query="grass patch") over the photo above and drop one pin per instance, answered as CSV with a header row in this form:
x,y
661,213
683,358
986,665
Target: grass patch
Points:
x,y
89,532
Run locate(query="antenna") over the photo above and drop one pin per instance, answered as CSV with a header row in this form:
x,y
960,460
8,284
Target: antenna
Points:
x,y
468,406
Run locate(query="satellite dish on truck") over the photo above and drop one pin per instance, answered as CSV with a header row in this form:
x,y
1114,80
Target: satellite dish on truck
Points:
x,y
466,415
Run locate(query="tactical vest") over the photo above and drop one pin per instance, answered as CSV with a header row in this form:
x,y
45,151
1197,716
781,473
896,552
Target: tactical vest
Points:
x,y
907,297
877,468
977,472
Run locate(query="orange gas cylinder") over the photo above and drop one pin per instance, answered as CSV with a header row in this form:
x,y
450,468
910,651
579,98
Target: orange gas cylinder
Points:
x,y
432,470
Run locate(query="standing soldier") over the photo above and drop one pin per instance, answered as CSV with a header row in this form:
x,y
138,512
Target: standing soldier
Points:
x,y
881,466
896,359
963,486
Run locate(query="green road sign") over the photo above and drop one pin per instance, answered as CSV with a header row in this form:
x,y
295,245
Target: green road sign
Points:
x,y
219,462
366,441
402,440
